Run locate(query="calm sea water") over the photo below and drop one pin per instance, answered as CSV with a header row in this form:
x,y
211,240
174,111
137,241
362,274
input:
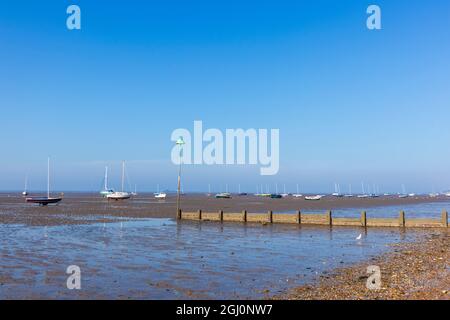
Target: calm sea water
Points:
x,y
163,259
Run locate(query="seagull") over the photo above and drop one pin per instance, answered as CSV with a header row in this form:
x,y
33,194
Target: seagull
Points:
x,y
359,237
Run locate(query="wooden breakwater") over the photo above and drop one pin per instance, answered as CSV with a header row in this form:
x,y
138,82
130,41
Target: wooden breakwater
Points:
x,y
315,219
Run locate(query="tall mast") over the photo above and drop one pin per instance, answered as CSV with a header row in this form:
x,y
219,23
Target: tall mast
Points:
x,y
123,174
106,178
48,177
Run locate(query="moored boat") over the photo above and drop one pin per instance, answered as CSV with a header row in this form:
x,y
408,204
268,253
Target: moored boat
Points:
x,y
43,201
223,195
316,197
120,195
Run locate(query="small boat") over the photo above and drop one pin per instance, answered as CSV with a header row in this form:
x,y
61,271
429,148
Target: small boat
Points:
x,y
276,196
447,193
265,195
403,196
433,195
223,195
411,194
298,194
363,195
25,192
120,195
160,195
284,194
106,191
43,201
337,191
316,197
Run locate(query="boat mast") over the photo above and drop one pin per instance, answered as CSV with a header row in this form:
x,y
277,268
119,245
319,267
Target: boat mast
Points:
x,y
106,178
123,174
48,177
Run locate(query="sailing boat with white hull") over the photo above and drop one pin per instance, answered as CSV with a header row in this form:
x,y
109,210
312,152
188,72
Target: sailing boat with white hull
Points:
x,y
120,195
43,201
106,190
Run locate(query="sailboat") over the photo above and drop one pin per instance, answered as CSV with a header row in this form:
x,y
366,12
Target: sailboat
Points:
x,y
135,191
337,191
298,194
106,191
314,198
159,195
25,192
43,201
403,195
363,194
120,195
239,191
349,194
284,194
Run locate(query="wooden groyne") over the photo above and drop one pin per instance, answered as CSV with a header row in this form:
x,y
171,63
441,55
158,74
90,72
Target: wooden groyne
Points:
x,y
315,219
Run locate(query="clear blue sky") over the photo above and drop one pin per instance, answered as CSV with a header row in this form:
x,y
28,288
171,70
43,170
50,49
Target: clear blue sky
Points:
x,y
351,104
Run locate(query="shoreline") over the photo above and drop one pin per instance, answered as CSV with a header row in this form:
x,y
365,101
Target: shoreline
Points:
x,y
91,208
412,271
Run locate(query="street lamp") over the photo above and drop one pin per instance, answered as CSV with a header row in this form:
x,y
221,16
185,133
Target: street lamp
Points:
x,y
180,142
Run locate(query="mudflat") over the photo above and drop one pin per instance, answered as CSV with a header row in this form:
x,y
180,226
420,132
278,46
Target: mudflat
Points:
x,y
77,208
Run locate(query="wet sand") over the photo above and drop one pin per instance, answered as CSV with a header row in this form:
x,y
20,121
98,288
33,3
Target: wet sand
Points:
x,y
89,208
417,270
416,265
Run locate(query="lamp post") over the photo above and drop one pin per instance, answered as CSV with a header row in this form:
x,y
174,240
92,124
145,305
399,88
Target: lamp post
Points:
x,y
180,142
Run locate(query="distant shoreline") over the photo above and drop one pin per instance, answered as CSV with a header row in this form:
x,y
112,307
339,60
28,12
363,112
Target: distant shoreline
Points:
x,y
91,208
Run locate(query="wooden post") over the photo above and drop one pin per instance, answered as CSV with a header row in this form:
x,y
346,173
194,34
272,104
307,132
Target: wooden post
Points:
x,y
299,217
179,214
363,218
270,216
221,215
401,219
199,214
445,218
329,219
244,215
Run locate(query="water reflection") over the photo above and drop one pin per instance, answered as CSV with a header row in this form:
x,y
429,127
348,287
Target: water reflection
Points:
x,y
159,258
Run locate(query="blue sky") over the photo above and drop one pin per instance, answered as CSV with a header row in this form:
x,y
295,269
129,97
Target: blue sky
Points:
x,y
351,104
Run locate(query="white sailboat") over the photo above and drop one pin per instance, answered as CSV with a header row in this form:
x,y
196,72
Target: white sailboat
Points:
x,y
25,192
43,201
403,195
298,194
316,197
106,190
363,194
337,191
159,195
349,194
284,194
120,195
